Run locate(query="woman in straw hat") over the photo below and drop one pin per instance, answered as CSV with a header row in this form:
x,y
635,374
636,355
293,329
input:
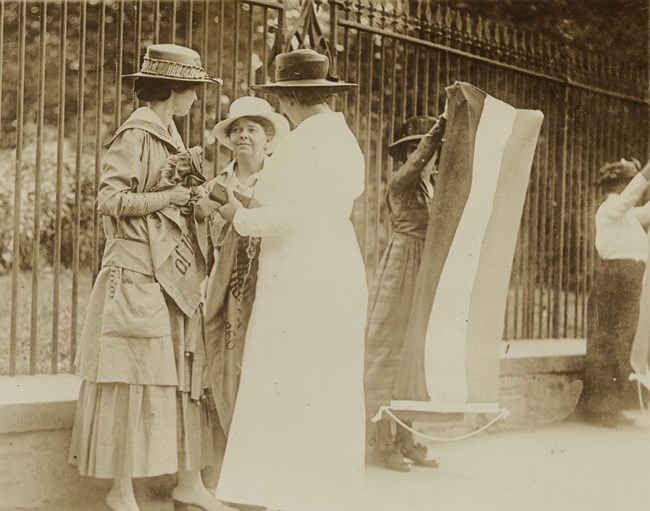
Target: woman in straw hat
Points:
x,y
613,307
297,433
252,130
140,410
408,201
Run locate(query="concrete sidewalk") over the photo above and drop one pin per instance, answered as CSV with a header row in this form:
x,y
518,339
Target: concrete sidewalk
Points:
x,y
566,467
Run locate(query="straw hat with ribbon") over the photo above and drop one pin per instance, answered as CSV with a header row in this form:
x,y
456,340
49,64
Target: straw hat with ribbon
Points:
x,y
249,106
303,68
173,62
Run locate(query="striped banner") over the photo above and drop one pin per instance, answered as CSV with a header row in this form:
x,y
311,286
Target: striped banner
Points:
x,y
452,348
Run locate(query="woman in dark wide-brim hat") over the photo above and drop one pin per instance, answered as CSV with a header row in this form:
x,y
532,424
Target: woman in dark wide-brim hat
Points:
x,y
613,306
302,370
141,409
408,201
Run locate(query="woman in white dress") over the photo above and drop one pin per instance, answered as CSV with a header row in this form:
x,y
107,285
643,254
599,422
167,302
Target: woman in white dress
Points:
x,y
296,441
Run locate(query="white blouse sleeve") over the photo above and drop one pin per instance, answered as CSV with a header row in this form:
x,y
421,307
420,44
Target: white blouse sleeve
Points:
x,y
642,214
293,194
617,205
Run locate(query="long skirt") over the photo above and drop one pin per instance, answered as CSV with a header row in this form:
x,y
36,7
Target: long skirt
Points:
x,y
296,441
388,313
613,312
130,430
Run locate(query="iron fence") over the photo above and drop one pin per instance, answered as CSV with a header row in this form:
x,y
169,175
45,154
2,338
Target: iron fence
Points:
x,y
61,96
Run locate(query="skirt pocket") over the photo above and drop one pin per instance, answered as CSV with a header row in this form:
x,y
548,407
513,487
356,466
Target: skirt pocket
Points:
x,y
135,309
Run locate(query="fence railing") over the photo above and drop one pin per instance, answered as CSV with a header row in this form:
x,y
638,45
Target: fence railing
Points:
x,y
403,54
61,96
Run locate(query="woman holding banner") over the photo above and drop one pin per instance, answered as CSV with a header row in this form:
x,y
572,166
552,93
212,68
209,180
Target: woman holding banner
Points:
x,y
410,192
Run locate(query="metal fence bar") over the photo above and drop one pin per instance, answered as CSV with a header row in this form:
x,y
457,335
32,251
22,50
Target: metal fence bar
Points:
x,y
137,38
174,9
346,43
380,170
220,46
357,130
99,99
119,49
36,229
189,41
15,263
568,201
392,121
2,50
547,235
204,55
249,39
156,22
56,278
76,228
235,70
537,233
368,76
581,290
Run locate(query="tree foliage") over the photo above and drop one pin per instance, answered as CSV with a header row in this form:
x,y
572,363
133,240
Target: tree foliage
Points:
x,y
618,28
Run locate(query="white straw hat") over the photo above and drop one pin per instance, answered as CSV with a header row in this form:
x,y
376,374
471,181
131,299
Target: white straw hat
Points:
x,y
249,106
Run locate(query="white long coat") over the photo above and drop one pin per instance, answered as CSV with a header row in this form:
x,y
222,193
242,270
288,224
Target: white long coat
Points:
x,y
297,438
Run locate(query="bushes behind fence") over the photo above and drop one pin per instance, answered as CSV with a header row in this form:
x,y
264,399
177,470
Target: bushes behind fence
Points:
x,y
47,203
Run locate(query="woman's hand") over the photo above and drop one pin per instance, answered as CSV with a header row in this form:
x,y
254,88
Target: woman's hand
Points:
x,y
228,210
178,195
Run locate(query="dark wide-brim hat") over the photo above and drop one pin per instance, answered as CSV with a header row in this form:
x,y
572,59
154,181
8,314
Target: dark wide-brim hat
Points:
x,y
173,62
303,68
412,129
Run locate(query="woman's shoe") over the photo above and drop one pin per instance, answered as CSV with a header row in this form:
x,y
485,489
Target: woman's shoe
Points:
x,y
418,453
395,461
118,502
197,501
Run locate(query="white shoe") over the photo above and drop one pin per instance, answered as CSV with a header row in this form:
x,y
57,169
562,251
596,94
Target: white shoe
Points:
x,y
643,379
196,499
117,501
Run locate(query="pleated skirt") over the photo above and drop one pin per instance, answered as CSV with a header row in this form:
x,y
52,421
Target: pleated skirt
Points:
x,y
133,430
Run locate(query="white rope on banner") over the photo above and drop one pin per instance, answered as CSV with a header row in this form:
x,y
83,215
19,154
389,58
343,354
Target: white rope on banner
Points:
x,y
503,413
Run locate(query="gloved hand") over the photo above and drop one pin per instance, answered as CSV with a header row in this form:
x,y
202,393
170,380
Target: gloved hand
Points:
x,y
184,168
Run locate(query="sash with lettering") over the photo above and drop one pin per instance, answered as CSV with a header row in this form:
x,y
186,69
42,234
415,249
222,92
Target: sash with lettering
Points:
x,y
453,340
178,243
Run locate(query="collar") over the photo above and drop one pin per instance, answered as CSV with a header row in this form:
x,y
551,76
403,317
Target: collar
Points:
x,y
146,119
229,173
323,118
